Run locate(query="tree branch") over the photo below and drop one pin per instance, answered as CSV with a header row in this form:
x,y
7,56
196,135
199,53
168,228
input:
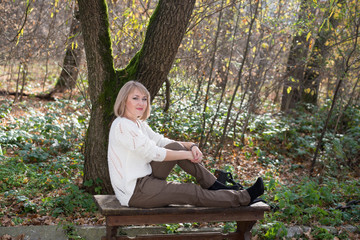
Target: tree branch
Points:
x,y
23,25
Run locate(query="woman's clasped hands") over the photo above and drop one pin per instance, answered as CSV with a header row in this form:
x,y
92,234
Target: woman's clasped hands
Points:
x,y
197,155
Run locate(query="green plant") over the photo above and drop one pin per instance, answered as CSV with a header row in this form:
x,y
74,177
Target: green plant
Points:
x,y
42,154
70,231
321,233
275,230
179,175
5,108
229,227
308,202
91,183
73,200
171,228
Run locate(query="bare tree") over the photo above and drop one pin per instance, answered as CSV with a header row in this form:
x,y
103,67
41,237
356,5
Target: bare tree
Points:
x,y
254,12
346,68
72,59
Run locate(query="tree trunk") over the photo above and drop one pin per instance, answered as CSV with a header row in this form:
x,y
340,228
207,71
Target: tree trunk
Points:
x,y
347,66
97,43
150,66
70,71
296,63
211,78
163,37
311,82
239,77
224,83
71,63
304,71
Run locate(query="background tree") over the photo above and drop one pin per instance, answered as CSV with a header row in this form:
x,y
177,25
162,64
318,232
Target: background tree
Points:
x,y
308,54
349,61
72,60
32,32
253,16
293,88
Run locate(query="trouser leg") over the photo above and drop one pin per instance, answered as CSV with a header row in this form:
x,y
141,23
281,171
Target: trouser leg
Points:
x,y
161,170
154,192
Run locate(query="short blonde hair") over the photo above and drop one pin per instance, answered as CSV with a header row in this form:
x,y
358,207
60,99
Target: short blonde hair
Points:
x,y
120,103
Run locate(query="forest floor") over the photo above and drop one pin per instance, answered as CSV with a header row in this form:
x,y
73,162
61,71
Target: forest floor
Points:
x,y
20,204
248,168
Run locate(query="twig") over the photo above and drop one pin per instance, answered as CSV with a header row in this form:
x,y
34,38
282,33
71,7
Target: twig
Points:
x,y
344,73
23,25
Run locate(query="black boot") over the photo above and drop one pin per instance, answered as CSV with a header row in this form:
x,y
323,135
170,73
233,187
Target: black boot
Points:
x,y
256,190
218,185
226,177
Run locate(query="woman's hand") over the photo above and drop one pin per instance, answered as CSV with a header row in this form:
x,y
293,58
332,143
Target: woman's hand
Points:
x,y
197,154
192,153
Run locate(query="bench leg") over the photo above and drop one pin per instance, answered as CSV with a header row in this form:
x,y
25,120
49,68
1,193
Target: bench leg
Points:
x,y
111,233
244,228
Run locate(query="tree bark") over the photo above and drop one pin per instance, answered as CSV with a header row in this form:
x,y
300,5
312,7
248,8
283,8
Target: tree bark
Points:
x,y
296,63
311,81
150,66
163,37
97,43
304,68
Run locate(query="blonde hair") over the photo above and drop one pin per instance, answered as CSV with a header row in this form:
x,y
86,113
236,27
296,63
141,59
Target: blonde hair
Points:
x,y
120,103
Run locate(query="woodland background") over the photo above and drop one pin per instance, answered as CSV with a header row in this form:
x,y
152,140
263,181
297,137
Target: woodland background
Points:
x,y
266,88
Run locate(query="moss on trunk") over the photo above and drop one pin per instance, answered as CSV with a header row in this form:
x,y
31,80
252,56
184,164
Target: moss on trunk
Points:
x,y
97,42
149,66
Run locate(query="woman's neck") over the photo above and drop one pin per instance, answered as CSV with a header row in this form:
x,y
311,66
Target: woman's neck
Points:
x,y
131,118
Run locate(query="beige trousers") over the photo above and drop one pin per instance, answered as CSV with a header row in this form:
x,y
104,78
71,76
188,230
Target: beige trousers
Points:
x,y
155,191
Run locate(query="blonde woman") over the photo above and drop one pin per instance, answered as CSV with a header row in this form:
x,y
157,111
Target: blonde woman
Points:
x,y
140,160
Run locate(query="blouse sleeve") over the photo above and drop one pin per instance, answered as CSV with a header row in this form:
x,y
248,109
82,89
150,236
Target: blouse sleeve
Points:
x,y
131,137
159,139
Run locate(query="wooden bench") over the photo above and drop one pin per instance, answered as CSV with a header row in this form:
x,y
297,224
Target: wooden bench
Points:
x,y
117,215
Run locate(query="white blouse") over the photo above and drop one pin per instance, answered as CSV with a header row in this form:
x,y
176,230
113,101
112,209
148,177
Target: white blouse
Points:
x,y
132,146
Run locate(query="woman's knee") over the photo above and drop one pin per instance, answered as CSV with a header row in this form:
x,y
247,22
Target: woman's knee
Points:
x,y
175,146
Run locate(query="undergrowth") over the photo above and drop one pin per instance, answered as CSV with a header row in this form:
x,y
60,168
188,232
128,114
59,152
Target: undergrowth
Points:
x,y
41,163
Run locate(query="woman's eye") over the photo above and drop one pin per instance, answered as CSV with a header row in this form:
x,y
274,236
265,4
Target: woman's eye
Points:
x,y
135,98
144,99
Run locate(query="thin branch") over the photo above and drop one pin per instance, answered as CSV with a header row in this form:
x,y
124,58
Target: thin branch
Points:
x,y
23,25
344,73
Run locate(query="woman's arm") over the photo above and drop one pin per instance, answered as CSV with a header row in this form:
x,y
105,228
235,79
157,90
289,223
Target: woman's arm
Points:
x,y
194,154
187,145
172,155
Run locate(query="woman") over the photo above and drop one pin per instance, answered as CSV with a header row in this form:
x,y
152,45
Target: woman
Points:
x,y
140,160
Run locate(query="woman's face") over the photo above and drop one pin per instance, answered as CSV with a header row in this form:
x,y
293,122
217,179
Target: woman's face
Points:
x,y
136,104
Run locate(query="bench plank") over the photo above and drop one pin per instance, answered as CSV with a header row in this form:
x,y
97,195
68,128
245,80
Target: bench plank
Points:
x,y
161,218
110,206
194,236
117,215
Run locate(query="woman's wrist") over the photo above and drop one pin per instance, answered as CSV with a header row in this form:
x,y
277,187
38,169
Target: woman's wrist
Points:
x,y
193,145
